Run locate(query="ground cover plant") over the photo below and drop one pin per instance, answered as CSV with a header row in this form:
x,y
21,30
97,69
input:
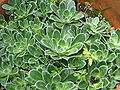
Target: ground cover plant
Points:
x,y
49,46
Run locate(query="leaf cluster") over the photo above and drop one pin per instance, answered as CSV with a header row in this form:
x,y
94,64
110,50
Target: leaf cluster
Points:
x,y
49,46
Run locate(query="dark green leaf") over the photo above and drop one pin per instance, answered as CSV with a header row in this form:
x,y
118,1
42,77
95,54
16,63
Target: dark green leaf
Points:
x,y
111,57
103,70
68,85
64,74
10,86
49,31
41,85
43,6
36,75
83,85
56,35
118,60
79,38
56,78
105,82
46,77
95,72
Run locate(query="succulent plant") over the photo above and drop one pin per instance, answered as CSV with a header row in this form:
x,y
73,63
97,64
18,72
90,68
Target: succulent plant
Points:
x,y
93,25
65,13
48,45
114,41
62,43
46,80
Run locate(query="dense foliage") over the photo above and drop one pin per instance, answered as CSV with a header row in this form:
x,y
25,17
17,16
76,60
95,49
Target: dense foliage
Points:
x,y
49,46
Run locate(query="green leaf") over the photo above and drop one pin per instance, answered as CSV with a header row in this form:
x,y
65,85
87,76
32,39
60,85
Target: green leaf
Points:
x,y
25,23
31,41
55,18
51,68
62,6
34,74
49,52
102,47
94,46
40,84
43,6
99,53
30,8
77,63
103,70
59,85
7,38
72,10
95,72
46,43
49,31
66,14
46,77
58,25
95,20
77,46
3,24
111,57
95,37
36,20
90,61
19,81
20,87
117,74
1,17
33,7
49,86
4,80
98,85
14,71
22,7
118,60
79,38
105,82
28,35
70,4
78,16
18,61
12,49
64,74
62,43
32,61
54,8
10,86
83,85
38,37
32,50
102,28
114,38
19,37
112,82
68,85
65,30
2,52
56,78
7,7
56,35
91,87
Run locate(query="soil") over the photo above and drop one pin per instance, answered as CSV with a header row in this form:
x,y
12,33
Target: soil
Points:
x,y
2,11
118,87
